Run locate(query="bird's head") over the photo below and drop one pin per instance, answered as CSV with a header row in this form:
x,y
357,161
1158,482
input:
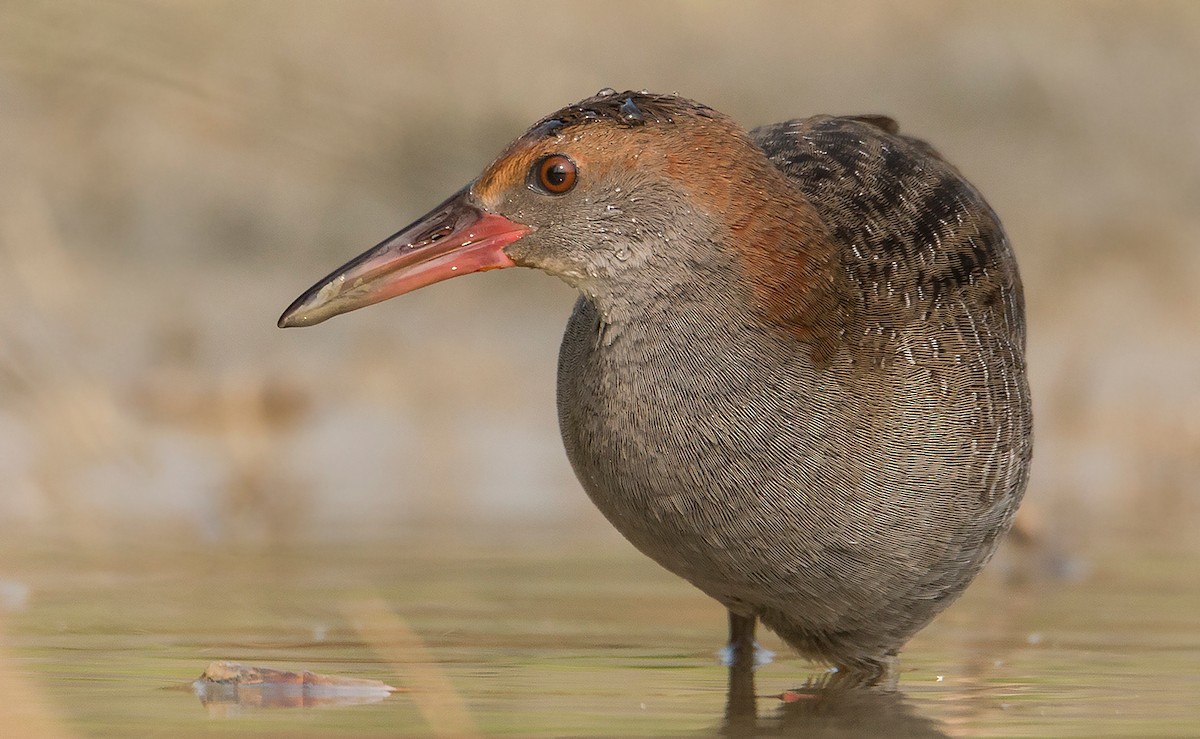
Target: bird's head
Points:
x,y
619,194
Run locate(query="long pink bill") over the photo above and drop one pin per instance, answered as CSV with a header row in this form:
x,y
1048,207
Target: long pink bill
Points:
x,y
455,238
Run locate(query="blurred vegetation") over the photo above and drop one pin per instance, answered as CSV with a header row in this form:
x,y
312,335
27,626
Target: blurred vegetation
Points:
x,y
175,173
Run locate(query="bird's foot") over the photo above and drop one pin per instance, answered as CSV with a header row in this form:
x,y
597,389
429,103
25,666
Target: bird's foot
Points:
x,y
762,655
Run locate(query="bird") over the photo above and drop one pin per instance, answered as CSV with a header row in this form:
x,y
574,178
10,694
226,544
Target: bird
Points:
x,y
795,373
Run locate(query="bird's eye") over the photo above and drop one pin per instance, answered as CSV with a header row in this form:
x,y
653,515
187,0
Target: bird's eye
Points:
x,y
554,174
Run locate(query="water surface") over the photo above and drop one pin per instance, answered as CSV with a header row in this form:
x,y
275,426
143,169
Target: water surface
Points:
x,y
545,638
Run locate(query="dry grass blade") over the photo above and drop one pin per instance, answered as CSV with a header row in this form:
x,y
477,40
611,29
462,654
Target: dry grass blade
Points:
x,y
440,703
24,712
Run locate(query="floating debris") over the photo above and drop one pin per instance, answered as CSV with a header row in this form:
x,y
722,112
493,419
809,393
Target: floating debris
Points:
x,y
235,684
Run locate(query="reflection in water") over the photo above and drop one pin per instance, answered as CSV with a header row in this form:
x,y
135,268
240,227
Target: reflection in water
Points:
x,y
849,712
821,709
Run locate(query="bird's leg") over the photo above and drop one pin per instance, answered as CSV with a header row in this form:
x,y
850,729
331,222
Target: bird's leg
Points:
x,y
760,654
740,703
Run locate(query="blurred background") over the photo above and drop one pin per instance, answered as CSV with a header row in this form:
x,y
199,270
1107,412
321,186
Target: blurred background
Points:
x,y
172,175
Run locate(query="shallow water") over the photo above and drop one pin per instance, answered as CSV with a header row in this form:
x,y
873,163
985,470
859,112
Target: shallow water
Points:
x,y
582,638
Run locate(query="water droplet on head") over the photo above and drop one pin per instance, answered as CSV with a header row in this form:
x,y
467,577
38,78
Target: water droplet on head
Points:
x,y
605,92
631,113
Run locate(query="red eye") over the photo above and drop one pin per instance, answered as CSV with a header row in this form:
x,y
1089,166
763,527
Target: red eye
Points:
x,y
554,174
